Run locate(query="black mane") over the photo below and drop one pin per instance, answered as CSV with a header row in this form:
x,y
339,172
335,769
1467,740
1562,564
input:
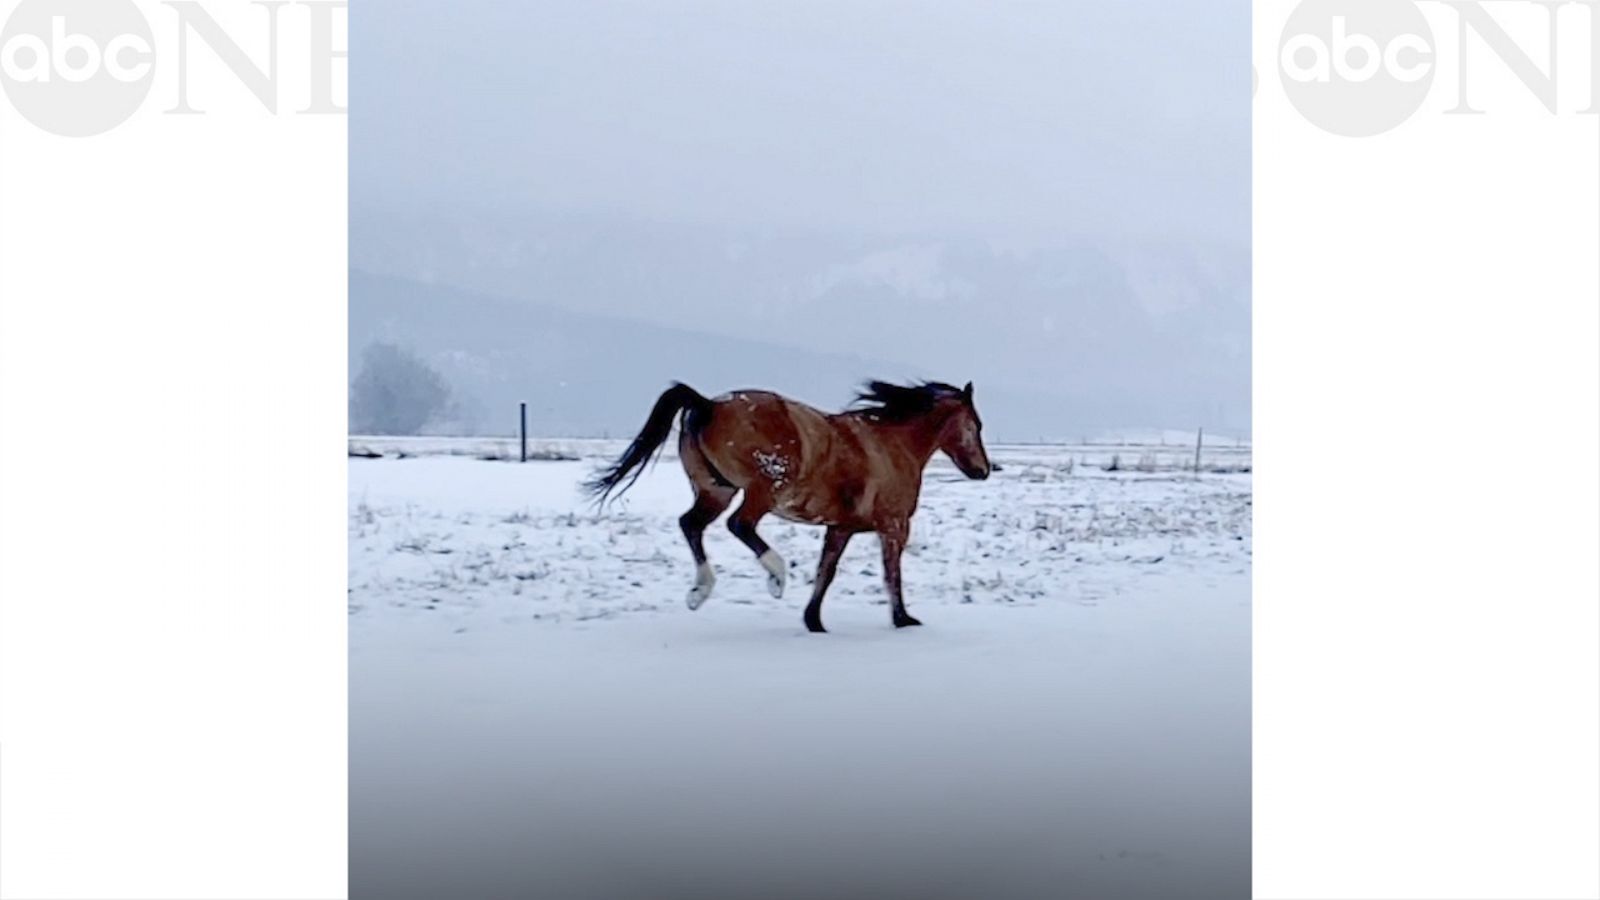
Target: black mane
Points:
x,y
887,402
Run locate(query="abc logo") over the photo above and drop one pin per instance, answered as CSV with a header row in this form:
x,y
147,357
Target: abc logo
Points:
x,y
1356,68
76,67
57,57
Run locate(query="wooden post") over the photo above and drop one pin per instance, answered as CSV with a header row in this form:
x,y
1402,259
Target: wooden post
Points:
x,y
1199,435
524,417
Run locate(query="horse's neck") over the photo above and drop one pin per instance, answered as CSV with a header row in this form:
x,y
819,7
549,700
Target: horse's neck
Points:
x,y
916,440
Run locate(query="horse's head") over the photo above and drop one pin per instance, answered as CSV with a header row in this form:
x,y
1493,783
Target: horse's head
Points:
x,y
934,408
961,436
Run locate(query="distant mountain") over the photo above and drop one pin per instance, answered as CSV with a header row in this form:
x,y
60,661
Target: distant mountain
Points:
x,y
591,375
1104,333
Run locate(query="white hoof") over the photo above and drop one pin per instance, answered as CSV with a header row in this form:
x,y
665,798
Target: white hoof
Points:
x,y
777,572
704,581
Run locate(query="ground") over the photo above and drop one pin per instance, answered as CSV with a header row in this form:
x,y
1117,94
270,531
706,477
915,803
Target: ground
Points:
x,y
535,711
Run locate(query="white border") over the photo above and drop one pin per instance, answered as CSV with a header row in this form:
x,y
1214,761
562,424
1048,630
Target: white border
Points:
x,y
1427,424
172,540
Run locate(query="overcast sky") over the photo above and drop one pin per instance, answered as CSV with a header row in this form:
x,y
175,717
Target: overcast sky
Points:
x,y
1010,119
1049,197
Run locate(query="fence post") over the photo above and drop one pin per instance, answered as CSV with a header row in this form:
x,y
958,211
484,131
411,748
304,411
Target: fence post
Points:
x,y
1199,435
524,429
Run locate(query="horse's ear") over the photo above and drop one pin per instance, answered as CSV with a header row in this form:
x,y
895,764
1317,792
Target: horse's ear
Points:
x,y
966,392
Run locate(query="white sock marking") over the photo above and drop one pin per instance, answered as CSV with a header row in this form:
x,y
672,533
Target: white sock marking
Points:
x,y
777,572
704,580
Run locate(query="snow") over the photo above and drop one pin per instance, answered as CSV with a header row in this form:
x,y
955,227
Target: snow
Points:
x,y
1161,451
534,711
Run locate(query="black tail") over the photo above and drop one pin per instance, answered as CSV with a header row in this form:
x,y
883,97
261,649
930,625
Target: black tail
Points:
x,y
679,397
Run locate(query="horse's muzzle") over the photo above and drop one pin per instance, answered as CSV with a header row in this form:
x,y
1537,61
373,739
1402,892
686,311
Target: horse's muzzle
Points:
x,y
977,474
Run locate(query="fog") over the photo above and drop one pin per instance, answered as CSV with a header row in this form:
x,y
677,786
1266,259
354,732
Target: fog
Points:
x,y
1049,200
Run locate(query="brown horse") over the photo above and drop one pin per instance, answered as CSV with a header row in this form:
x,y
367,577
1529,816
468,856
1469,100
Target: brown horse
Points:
x,y
859,470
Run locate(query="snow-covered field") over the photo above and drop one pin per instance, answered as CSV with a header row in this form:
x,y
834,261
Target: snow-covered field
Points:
x,y
1167,451
534,712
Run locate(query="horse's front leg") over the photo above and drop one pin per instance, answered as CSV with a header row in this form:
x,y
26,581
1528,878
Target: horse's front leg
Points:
x,y
832,548
893,540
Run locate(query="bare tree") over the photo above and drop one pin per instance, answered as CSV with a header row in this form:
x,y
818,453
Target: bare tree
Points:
x,y
395,392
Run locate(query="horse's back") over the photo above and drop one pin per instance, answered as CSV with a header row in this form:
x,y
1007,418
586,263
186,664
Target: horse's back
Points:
x,y
759,435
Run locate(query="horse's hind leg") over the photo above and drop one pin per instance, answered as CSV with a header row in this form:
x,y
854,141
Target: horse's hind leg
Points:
x,y
743,525
709,502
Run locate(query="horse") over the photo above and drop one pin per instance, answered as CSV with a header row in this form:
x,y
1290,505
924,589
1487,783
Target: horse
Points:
x,y
854,471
